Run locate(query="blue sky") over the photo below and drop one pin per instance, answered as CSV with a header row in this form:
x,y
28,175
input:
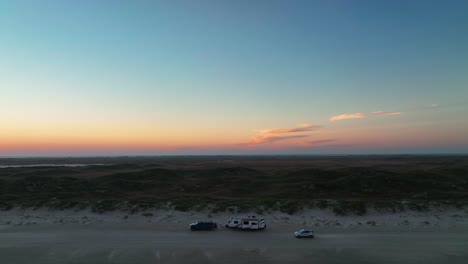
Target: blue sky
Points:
x,y
161,76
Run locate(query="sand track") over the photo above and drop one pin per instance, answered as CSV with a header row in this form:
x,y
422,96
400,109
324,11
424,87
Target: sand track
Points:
x,y
103,243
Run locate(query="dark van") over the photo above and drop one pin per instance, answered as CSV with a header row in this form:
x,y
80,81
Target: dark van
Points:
x,y
203,226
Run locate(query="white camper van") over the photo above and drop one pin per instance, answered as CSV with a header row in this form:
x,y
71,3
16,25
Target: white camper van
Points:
x,y
248,223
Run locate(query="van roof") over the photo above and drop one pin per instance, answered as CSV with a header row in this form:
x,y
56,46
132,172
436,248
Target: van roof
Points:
x,y
247,219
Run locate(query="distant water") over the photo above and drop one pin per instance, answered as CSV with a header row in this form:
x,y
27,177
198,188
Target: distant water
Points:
x,y
49,165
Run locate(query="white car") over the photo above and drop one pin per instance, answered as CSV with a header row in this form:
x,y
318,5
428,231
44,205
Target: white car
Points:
x,y
304,233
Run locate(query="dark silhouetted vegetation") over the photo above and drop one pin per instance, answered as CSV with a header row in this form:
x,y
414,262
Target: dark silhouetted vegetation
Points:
x,y
346,185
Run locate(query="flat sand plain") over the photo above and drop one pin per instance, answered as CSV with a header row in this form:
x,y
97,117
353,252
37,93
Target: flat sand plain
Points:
x,y
162,236
174,243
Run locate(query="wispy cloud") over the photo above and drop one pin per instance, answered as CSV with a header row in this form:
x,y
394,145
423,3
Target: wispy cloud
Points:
x,y
385,113
364,115
271,139
347,116
301,128
446,105
277,134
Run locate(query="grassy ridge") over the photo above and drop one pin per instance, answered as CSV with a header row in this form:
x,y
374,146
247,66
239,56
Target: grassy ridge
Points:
x,y
346,188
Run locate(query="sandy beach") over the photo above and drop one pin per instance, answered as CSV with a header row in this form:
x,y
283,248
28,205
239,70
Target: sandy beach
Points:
x,y
162,236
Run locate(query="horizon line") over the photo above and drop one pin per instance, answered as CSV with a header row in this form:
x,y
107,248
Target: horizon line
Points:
x,y
232,155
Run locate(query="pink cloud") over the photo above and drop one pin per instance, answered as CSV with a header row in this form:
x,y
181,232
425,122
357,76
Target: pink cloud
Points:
x,y
385,113
272,135
347,116
301,128
362,115
271,139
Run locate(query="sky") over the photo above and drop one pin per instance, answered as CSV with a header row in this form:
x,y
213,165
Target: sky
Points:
x,y
221,77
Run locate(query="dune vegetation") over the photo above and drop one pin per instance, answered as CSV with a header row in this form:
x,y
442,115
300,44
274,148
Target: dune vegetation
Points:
x,y
347,185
